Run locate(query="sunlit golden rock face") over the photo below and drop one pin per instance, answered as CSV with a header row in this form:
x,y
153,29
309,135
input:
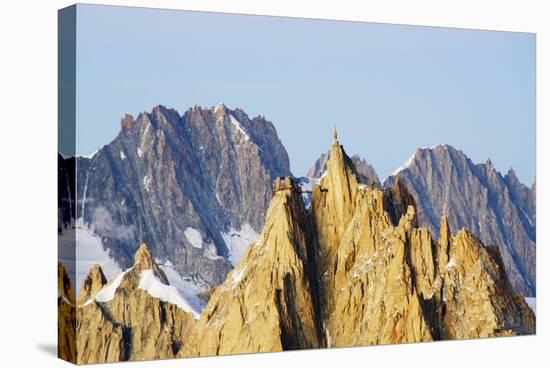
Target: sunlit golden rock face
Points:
x,y
366,264
267,302
66,316
132,325
384,280
478,298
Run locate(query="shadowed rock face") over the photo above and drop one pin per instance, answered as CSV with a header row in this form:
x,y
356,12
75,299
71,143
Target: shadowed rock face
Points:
x,y
209,170
132,324
498,209
66,203
357,270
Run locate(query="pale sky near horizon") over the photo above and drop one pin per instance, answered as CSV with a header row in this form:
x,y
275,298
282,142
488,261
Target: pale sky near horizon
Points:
x,y
388,88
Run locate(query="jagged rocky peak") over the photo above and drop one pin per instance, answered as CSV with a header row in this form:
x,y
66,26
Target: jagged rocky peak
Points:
x,y
94,281
333,197
498,209
385,280
220,108
428,154
524,195
341,174
479,299
267,303
363,258
135,316
127,121
511,175
318,169
144,260
365,171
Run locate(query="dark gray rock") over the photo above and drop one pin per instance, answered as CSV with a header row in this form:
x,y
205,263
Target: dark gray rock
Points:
x,y
66,201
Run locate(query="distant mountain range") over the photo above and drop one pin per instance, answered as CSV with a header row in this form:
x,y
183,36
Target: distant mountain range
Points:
x,y
196,188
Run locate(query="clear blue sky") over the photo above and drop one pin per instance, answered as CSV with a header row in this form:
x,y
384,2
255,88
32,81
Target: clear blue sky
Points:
x,y
389,88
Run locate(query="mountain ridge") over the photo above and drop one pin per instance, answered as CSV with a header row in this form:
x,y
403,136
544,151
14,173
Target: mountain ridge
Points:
x,y
189,185
132,317
499,209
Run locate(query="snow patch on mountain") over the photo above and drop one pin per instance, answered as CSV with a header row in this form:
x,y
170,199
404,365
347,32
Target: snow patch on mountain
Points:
x,y
239,127
237,241
147,183
188,287
405,165
237,275
89,251
61,295
218,107
89,155
167,293
526,217
108,292
194,237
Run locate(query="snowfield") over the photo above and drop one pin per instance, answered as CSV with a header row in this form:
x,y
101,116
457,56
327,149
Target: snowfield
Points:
x,y
188,288
194,237
167,293
237,242
89,251
239,127
108,292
